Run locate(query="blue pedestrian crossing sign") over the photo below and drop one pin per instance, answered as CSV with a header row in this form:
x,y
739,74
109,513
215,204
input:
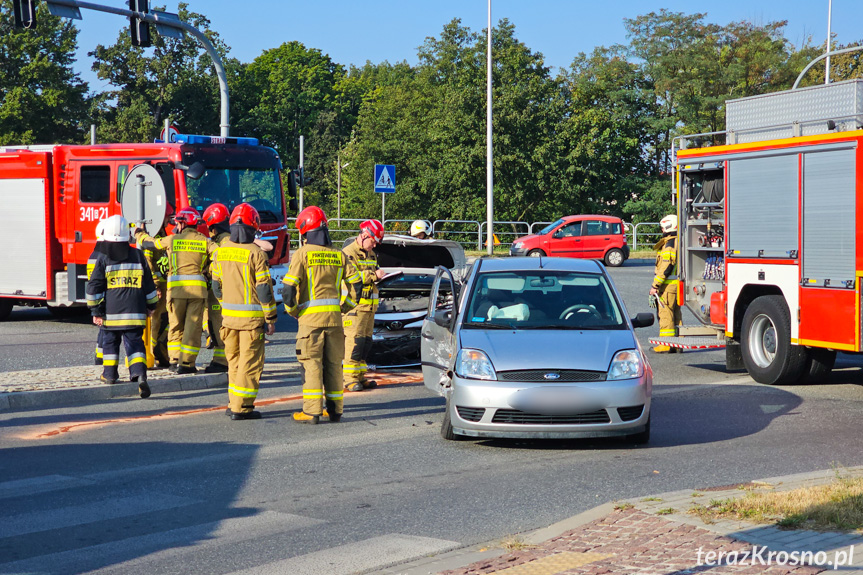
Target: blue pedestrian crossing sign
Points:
x,y
385,179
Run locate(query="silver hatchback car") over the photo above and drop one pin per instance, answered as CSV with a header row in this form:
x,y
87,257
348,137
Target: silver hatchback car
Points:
x,y
535,348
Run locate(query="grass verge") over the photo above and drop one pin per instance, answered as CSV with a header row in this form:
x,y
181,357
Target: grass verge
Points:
x,y
835,506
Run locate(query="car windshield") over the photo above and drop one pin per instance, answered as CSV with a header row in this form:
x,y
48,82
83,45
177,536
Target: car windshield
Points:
x,y
542,299
547,229
231,186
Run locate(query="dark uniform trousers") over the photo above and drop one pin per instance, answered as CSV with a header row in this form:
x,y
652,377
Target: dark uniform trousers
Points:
x,y
320,351
133,342
244,349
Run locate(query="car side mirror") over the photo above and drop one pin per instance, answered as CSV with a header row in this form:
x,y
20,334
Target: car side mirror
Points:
x,y
195,171
293,205
443,318
643,320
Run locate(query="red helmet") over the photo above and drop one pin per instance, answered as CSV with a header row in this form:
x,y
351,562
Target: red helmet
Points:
x,y
375,228
310,219
246,214
216,214
188,216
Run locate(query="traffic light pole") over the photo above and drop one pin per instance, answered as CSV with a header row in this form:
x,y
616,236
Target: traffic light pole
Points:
x,y
161,20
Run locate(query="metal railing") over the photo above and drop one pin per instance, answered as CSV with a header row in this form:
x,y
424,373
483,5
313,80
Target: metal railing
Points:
x,y
465,232
635,233
498,232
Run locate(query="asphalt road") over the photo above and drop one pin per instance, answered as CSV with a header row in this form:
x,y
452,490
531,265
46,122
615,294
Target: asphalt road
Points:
x,y
145,492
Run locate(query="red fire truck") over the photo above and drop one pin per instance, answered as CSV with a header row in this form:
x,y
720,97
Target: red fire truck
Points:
x,y
52,196
771,232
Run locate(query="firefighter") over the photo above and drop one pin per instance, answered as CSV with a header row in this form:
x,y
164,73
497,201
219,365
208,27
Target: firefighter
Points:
x,y
121,294
91,263
216,217
158,262
421,230
664,286
311,292
242,284
359,323
189,254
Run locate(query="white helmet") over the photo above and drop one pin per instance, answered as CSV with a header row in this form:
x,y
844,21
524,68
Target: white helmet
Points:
x,y
668,224
114,229
420,226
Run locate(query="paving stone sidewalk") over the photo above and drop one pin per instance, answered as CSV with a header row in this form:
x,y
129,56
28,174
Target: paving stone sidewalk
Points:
x,y
656,536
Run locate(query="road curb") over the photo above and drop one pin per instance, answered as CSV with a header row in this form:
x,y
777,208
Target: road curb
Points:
x,y
463,556
50,398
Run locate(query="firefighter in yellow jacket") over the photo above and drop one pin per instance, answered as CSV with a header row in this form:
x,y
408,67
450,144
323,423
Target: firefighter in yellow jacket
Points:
x,y
665,282
359,323
312,292
189,253
216,217
241,282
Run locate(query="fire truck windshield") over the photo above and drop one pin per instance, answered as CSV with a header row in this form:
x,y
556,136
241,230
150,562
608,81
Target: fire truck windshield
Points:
x,y
235,185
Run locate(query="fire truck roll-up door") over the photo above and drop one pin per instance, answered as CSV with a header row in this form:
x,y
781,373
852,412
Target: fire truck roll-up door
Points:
x,y
23,237
763,207
828,294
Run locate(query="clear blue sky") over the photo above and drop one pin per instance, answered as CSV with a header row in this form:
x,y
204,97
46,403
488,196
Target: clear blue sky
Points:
x,y
352,31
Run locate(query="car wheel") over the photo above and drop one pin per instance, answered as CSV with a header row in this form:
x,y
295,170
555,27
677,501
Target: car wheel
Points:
x,y
768,354
614,258
5,308
818,366
535,253
446,430
642,437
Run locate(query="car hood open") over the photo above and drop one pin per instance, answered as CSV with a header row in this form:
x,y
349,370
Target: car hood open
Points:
x,y
401,252
548,349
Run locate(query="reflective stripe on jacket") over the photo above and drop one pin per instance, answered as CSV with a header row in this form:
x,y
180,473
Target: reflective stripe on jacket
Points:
x,y
189,254
666,263
121,292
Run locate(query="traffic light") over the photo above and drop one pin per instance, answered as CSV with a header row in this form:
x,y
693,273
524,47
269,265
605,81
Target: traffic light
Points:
x,y
25,13
139,28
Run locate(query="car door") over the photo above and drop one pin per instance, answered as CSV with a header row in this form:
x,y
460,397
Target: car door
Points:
x,y
437,341
596,240
566,241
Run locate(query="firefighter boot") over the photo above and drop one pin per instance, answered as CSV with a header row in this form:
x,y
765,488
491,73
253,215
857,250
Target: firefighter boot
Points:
x,y
330,412
243,415
144,389
356,386
216,368
303,417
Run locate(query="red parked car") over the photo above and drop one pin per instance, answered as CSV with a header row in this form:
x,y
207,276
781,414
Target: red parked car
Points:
x,y
590,237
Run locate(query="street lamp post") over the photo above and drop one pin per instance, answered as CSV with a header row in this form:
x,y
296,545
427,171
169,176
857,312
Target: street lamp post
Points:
x,y
489,166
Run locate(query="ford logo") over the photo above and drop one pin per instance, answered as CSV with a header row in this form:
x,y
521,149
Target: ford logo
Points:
x,y
551,376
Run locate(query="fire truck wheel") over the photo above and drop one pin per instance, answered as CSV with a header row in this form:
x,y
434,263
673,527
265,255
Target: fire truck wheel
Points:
x,y
5,308
768,354
819,365
63,312
614,258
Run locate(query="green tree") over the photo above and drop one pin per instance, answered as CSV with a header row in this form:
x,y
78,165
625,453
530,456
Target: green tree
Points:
x,y
41,99
173,79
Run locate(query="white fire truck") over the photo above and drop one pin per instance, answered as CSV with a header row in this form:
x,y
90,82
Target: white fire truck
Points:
x,y
771,234
52,196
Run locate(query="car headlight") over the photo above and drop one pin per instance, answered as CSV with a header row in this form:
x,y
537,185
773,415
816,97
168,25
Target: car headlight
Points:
x,y
474,364
517,245
627,364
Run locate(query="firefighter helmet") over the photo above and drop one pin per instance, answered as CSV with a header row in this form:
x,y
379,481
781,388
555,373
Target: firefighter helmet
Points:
x,y
188,216
420,227
311,219
374,228
114,229
216,214
668,224
246,214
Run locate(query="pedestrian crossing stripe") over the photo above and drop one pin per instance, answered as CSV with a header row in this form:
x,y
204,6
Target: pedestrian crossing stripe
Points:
x,y
385,181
